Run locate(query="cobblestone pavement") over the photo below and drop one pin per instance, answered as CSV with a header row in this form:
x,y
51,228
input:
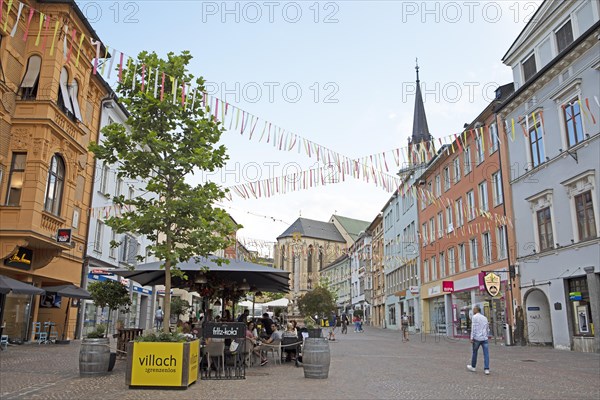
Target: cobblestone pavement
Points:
x,y
370,365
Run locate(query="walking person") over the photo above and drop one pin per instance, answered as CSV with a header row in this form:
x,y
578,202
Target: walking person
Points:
x,y
158,318
479,338
345,323
404,319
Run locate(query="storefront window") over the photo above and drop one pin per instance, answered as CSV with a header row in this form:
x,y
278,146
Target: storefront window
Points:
x,y
411,313
133,311
461,308
392,314
17,308
581,314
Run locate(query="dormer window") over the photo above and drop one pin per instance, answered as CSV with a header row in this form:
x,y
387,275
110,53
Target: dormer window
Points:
x,y
529,67
29,86
564,36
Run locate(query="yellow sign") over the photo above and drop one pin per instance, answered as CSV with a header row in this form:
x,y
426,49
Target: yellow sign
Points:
x,y
158,364
194,357
492,283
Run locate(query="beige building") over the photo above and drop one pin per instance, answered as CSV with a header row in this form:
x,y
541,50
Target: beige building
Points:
x,y
49,113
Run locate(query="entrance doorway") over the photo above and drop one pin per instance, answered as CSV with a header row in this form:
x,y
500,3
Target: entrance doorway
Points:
x,y
539,324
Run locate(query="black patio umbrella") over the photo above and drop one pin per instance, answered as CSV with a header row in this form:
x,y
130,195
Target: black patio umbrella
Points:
x,y
71,291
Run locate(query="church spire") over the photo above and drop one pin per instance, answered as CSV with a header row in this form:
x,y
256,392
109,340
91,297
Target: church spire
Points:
x,y
420,132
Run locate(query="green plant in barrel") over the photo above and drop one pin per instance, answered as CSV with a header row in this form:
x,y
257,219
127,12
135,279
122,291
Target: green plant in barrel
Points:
x,y
111,294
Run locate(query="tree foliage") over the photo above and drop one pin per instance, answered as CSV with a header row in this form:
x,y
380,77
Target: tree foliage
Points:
x,y
179,306
319,301
163,144
109,293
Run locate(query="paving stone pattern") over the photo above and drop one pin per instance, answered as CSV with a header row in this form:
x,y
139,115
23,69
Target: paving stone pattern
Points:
x,y
371,365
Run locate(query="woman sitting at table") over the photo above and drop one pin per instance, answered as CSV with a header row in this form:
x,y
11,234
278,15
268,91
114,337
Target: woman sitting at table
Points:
x,y
292,335
253,336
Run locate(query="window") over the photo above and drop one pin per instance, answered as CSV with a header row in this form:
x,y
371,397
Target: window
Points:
x,y
119,187
446,176
529,68
462,258
471,204
497,188
64,99
432,230
16,177
584,209
98,236
501,239
581,309
438,186
434,273
29,86
129,250
479,148
473,253
585,17
426,270
545,52
104,178
112,252
440,222
309,260
573,123
456,167
442,264
131,192
467,160
487,248
564,36
424,234
536,144
54,186
494,139
451,261
483,196
459,212
397,211
392,314
430,190
544,224
449,219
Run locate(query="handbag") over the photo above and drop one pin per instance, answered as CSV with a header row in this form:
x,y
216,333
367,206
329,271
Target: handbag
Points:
x,y
233,346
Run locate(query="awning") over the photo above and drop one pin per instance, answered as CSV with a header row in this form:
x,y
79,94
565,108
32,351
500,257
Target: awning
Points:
x,y
259,277
12,285
71,291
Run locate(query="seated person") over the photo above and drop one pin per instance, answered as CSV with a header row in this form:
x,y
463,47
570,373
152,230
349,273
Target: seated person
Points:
x,y
267,324
251,334
289,337
275,335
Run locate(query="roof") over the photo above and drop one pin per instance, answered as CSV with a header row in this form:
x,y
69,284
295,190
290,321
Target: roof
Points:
x,y
420,132
353,227
314,229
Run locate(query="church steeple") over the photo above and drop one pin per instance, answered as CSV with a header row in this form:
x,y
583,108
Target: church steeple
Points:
x,y
420,132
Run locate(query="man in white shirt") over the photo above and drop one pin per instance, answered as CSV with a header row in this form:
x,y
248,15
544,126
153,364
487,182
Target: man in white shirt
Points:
x,y
479,337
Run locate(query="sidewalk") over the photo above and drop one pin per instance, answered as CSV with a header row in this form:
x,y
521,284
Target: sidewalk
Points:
x,y
370,365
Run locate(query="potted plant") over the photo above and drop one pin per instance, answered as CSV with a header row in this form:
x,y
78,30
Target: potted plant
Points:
x,y
111,294
317,304
179,307
162,360
95,358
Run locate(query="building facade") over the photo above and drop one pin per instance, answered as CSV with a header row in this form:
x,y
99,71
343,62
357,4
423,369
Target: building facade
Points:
x,y
50,112
360,265
376,285
554,172
337,275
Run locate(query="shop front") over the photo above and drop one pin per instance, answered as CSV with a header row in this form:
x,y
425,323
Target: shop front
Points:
x,y
434,311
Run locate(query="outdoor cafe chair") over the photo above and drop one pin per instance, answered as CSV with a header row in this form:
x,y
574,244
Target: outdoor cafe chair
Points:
x,y
4,341
248,351
39,335
215,350
50,329
273,347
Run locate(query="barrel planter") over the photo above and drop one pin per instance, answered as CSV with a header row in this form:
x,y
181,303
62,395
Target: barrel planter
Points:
x,y
314,332
94,357
316,358
162,364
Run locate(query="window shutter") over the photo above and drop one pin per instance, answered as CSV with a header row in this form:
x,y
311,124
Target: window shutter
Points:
x,y
132,250
30,80
64,89
73,91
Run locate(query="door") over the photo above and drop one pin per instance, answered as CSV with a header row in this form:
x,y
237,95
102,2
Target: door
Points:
x,y
539,324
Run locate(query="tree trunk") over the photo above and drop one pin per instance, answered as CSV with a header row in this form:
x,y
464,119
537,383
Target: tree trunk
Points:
x,y
167,316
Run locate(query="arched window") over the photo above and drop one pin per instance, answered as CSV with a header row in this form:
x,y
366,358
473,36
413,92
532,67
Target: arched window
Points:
x,y
54,186
320,258
282,250
29,86
309,260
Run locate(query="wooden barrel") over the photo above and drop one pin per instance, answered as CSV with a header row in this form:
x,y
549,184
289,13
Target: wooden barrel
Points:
x,y
94,357
316,358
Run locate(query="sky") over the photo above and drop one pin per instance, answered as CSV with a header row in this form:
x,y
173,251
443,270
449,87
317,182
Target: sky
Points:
x,y
340,73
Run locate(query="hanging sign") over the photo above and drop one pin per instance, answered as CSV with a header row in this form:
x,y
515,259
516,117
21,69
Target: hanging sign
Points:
x,y
21,259
492,284
64,236
448,286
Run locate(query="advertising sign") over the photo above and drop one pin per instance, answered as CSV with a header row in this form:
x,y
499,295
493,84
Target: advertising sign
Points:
x,y
225,330
158,364
575,296
447,286
193,365
492,284
63,236
21,259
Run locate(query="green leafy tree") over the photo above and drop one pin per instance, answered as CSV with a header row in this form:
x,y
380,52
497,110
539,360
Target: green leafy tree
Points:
x,y
163,145
111,294
179,306
320,302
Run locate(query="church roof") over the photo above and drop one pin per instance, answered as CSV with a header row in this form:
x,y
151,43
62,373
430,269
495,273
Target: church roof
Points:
x,y
420,130
353,227
314,229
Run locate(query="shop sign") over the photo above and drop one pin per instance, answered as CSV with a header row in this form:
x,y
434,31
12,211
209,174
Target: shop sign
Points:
x,y
225,330
413,289
401,294
492,284
63,236
481,277
433,290
164,364
575,296
21,259
447,286
99,272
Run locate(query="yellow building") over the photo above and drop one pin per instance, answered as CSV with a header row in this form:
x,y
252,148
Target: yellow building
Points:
x,y
49,112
